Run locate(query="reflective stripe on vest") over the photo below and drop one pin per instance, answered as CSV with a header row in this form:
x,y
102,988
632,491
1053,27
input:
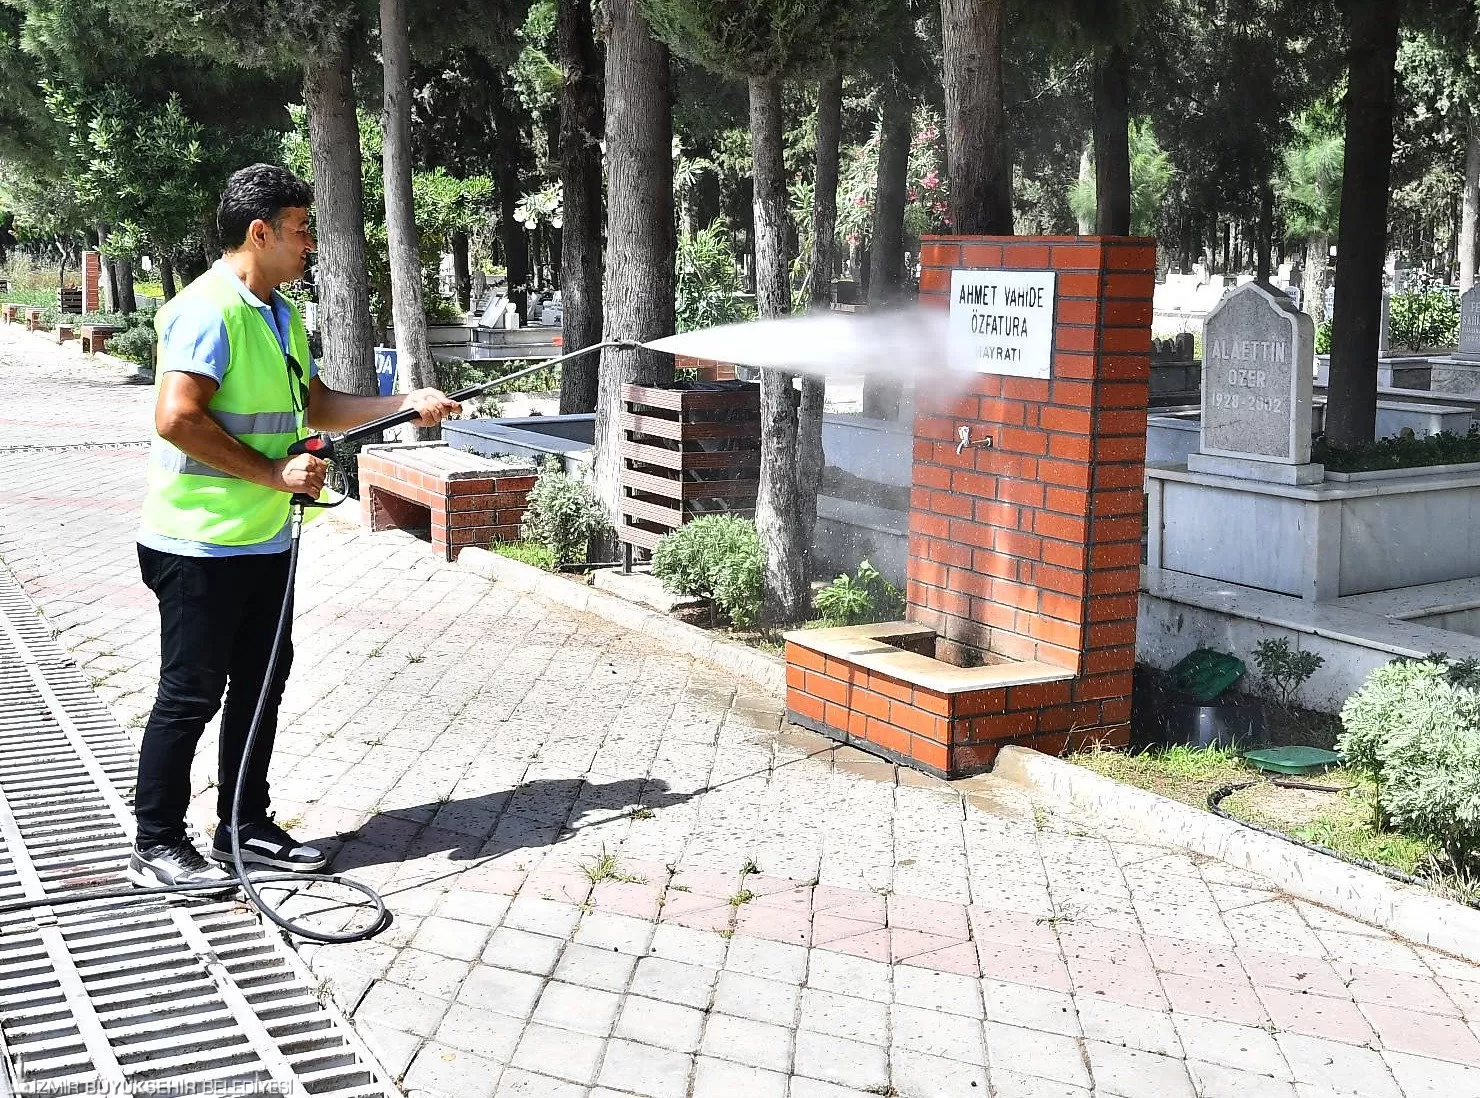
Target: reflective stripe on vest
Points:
x,y
256,404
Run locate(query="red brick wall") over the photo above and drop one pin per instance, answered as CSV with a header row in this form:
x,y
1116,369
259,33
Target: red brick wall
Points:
x,y
951,734
459,512
92,275
707,369
1030,549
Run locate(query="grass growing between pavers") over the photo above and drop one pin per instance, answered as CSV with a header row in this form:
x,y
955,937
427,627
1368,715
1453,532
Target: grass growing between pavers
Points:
x,y
1342,821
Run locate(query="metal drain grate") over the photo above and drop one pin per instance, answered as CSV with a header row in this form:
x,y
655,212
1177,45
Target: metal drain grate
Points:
x,y
120,997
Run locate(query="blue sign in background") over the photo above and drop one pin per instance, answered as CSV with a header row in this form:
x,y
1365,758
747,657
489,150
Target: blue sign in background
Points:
x,y
385,369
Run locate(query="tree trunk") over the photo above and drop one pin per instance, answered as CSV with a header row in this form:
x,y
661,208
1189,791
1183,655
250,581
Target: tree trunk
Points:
x,y
976,129
825,193
1469,222
881,395
462,278
1112,119
123,281
414,366
1351,410
513,234
340,281
1313,277
167,277
638,293
810,458
778,513
887,277
1263,239
581,129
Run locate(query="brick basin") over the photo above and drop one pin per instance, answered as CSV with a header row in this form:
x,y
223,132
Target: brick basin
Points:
x,y
1024,557
461,498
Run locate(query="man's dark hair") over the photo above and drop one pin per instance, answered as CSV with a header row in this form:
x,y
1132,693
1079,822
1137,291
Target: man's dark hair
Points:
x,y
261,191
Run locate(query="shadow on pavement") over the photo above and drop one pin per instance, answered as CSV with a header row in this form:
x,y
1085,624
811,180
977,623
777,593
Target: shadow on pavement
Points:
x,y
537,813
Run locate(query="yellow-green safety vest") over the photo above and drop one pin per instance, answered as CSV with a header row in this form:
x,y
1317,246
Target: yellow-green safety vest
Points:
x,y
257,404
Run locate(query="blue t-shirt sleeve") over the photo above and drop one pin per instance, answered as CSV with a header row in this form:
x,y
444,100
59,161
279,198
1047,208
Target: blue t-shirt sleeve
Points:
x,y
193,341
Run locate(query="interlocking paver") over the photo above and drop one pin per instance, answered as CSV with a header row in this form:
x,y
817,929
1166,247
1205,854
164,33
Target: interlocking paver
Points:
x,y
474,753
646,1070
674,981
1129,1073
724,1078
559,1053
755,1044
452,1072
838,1060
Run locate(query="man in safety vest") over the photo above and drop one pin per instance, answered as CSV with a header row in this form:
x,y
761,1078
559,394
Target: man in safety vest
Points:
x,y
236,387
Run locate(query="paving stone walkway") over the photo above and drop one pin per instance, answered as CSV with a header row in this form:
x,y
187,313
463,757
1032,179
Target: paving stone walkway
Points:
x,y
614,872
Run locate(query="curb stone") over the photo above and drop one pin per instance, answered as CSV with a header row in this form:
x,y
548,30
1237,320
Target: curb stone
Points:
x,y
1405,910
765,671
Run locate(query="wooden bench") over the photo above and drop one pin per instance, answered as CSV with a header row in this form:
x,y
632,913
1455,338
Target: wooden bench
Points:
x,y
33,319
461,498
10,312
95,337
66,332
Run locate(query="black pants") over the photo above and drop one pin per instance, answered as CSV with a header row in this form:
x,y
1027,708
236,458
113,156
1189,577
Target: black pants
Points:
x,y
217,617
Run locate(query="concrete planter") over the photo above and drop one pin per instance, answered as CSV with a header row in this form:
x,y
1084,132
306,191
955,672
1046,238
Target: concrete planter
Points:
x,y
1320,541
1403,474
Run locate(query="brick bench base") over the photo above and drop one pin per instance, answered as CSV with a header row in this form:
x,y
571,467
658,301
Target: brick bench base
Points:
x,y
95,337
461,498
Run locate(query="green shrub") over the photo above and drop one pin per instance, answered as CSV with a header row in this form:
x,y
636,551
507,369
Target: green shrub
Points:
x,y
1414,727
1323,338
857,600
707,283
1399,452
563,515
135,344
527,552
1427,316
440,310
1285,669
717,557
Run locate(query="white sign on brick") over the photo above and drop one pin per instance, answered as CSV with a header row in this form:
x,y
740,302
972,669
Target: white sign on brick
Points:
x,y
1002,322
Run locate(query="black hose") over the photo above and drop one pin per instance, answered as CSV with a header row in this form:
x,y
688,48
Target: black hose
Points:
x,y
382,916
1218,795
247,882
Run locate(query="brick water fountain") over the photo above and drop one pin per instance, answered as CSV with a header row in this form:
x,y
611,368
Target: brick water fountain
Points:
x,y
1025,520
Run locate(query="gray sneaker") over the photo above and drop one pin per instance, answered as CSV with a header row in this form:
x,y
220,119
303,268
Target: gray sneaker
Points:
x,y
176,863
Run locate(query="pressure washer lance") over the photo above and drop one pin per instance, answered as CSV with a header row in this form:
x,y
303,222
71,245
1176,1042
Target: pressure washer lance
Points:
x,y
320,445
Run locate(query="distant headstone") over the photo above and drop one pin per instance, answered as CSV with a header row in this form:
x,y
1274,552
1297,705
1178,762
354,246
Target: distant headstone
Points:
x,y
1330,302
1258,364
1469,323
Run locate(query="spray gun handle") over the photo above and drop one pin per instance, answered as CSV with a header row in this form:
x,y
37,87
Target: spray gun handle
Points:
x,y
320,446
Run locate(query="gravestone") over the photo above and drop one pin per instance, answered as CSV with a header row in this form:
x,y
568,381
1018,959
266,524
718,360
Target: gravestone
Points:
x,y
1258,358
1469,324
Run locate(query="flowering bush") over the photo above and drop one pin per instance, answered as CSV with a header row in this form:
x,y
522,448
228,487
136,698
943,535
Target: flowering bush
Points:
x,y
927,193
